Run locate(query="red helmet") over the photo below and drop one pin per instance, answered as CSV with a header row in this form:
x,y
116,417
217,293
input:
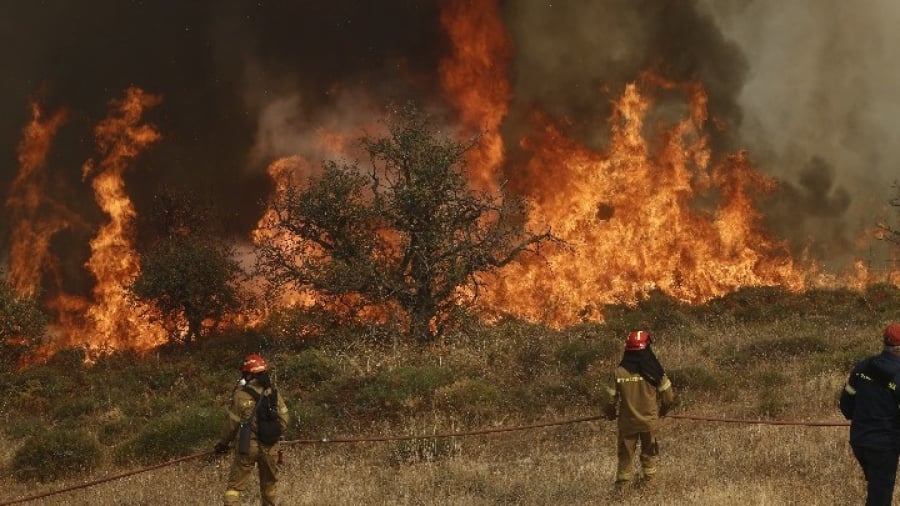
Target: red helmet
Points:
x,y
637,340
253,364
892,335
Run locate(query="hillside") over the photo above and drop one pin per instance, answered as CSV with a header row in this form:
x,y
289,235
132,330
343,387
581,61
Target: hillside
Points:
x,y
755,354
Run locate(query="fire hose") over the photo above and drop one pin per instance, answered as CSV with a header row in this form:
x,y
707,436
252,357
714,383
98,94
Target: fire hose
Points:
x,y
440,435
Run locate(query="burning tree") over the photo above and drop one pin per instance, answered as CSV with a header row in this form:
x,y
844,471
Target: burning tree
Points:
x,y
407,231
189,275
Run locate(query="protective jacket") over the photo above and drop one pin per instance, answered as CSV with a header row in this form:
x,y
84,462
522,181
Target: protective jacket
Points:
x,y
242,409
640,403
870,401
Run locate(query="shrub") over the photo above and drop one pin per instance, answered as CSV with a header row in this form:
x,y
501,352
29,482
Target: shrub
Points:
x,y
172,436
695,378
111,432
23,425
577,356
471,399
655,311
756,304
404,388
56,454
760,351
73,407
308,368
312,419
771,403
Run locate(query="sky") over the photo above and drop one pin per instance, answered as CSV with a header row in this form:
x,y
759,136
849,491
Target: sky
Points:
x,y
807,87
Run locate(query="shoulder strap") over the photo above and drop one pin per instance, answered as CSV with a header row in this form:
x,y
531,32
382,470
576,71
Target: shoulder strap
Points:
x,y
256,397
253,393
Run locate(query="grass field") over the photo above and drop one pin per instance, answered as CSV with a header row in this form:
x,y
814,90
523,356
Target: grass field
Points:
x,y
750,356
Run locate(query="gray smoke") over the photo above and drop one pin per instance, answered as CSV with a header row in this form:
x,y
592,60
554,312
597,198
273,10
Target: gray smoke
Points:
x,y
821,108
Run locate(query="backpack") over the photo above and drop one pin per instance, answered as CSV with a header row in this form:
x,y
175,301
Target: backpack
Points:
x,y
268,424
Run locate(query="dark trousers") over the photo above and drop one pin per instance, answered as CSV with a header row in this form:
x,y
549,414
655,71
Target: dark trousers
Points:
x,y
880,468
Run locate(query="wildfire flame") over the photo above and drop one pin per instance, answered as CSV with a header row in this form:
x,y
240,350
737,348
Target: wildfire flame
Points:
x,y
636,220
475,79
112,320
27,204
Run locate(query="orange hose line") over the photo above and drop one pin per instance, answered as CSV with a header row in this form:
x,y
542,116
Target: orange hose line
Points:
x,y
408,438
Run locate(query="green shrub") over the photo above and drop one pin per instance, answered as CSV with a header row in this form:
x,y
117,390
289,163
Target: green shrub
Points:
x,y
56,454
111,432
402,389
172,436
771,403
73,407
306,369
577,356
695,378
656,311
312,420
20,426
471,399
773,349
769,379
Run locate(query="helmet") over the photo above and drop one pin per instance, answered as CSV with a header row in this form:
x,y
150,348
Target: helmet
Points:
x,y
892,335
638,340
253,364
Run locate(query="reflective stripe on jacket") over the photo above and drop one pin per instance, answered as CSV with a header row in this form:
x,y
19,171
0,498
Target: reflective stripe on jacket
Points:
x,y
639,401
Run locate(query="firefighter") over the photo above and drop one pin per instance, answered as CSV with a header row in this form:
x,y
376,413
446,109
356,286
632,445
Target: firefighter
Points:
x,y
642,393
870,401
255,447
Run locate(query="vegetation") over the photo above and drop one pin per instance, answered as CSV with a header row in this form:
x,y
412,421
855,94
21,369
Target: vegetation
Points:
x,y
189,275
22,324
126,410
55,454
407,231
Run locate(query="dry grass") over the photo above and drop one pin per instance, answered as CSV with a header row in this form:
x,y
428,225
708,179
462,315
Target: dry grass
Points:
x,y
705,464
763,372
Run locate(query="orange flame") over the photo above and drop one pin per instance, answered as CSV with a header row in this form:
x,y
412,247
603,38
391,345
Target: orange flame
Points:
x,y
32,228
635,220
113,320
475,79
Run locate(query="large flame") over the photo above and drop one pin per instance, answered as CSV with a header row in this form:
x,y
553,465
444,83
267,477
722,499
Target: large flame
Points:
x,y
34,216
474,77
638,218
113,320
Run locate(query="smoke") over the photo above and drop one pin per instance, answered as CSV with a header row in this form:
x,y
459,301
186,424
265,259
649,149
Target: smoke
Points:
x,y
821,110
573,58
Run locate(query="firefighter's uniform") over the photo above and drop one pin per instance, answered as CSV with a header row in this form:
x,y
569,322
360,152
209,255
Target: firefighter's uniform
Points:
x,y
639,407
242,409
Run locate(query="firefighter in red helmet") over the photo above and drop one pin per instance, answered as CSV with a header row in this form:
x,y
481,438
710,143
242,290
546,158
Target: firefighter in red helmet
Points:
x,y
257,417
642,393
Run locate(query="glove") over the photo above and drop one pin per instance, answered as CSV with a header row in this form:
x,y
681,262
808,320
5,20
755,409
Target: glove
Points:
x,y
221,448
